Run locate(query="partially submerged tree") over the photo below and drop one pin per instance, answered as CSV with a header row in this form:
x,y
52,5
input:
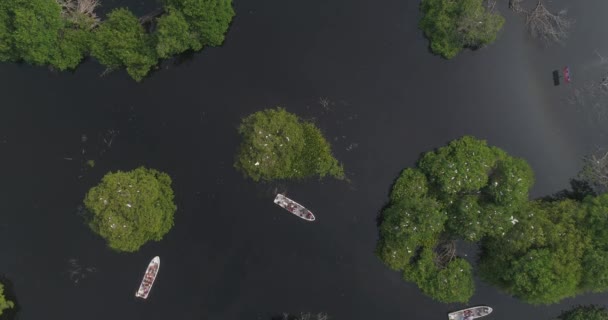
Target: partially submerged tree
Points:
x,y
451,26
589,312
278,145
595,170
131,208
543,24
4,302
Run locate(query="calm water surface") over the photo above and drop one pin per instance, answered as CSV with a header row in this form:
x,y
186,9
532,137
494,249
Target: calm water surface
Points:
x,y
232,253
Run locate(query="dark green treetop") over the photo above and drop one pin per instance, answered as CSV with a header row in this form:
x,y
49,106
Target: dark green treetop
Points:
x,y
122,41
451,25
131,208
589,312
540,259
451,282
278,145
480,186
173,35
208,19
35,32
4,303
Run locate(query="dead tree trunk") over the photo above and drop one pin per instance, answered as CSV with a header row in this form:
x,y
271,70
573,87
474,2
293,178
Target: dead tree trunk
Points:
x,y
595,171
446,252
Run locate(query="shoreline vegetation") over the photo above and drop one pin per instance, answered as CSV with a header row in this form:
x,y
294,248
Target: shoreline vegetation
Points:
x,y
5,304
540,251
61,33
588,312
278,145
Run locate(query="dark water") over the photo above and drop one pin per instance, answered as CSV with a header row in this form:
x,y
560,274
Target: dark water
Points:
x,y
232,253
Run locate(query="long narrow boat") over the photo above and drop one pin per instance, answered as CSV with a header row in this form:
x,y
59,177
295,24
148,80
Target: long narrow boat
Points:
x,y
470,313
148,280
294,207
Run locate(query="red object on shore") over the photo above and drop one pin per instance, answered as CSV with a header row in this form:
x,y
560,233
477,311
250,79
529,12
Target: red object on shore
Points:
x,y
567,74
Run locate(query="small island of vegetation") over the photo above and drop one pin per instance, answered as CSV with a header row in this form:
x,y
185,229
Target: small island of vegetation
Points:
x,y
60,33
278,145
452,26
4,302
131,208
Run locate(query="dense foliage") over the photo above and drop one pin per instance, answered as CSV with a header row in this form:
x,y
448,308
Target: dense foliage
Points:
x,y
540,251
34,31
278,145
131,208
207,19
122,41
4,303
451,25
42,32
464,190
590,312
557,250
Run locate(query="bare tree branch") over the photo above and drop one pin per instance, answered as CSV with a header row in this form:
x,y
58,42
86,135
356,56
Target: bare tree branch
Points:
x,y
515,5
546,26
80,12
446,252
542,24
595,170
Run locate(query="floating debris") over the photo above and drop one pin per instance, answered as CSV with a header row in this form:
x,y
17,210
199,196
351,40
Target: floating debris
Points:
x,y
77,272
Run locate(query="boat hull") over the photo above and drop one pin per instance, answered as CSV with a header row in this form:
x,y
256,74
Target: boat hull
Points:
x,y
149,277
470,313
295,208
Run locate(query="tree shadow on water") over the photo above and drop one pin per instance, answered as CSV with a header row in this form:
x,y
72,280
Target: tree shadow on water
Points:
x,y
9,293
184,58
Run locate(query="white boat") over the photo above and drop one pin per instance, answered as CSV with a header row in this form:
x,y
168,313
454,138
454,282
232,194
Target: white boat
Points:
x,y
470,313
148,280
294,207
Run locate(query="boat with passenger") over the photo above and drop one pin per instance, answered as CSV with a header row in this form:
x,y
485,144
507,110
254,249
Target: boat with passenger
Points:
x,y
294,207
148,280
470,313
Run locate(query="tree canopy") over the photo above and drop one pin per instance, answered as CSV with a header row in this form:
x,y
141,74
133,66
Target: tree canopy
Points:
x,y
60,33
465,190
207,19
4,303
131,208
589,312
451,25
122,41
38,33
557,250
276,144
